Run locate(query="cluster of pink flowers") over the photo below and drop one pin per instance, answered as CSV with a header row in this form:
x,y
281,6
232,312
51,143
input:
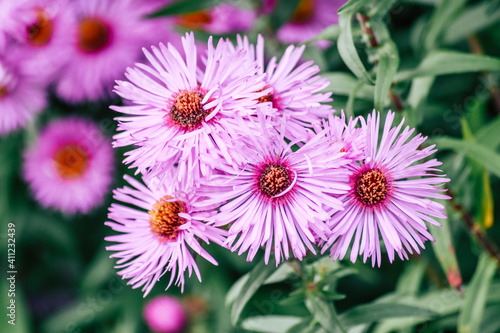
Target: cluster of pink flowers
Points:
x,y
249,156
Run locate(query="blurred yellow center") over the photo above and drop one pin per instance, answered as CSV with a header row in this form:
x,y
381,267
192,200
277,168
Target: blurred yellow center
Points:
x,y
187,111
93,34
372,187
40,32
164,218
304,11
274,179
71,161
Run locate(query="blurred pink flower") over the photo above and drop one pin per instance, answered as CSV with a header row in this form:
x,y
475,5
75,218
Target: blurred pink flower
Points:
x,y
160,235
165,314
110,35
388,196
70,166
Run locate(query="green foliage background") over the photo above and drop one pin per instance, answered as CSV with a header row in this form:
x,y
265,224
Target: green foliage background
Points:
x,y
436,63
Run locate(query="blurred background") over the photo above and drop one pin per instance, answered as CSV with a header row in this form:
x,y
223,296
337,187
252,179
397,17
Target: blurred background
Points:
x,y
441,62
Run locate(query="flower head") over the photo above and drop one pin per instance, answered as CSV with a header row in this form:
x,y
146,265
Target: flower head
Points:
x,y
155,314
160,235
69,167
181,117
294,90
388,196
280,199
110,35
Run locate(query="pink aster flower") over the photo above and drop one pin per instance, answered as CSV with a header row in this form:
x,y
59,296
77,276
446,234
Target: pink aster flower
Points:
x,y
42,29
110,35
388,197
294,89
222,19
280,199
165,314
309,19
21,95
181,117
70,166
159,236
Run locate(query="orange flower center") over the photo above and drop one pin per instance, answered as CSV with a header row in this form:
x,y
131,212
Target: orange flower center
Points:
x,y
371,187
195,20
3,91
164,218
93,34
187,111
274,179
71,161
40,32
304,11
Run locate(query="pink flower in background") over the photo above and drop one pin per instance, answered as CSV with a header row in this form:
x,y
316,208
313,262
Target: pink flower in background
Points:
x,y
388,196
165,314
109,37
70,166
182,118
41,29
309,19
294,89
280,199
222,19
160,235
21,95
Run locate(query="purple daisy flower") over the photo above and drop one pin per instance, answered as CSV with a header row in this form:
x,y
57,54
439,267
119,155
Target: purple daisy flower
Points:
x,y
70,166
294,89
110,35
182,117
222,19
42,29
388,196
21,95
280,199
309,19
158,237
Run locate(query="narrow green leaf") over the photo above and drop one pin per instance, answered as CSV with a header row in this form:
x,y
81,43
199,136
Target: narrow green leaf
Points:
x,y
445,250
349,108
443,15
450,62
387,68
347,49
331,33
374,312
479,153
381,7
324,312
471,20
183,7
306,325
410,280
270,324
236,289
488,134
283,272
344,84
256,278
471,315
487,202
352,6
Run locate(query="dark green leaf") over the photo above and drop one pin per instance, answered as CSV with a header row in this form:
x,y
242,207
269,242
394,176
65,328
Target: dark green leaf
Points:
x,y
450,62
352,6
381,7
488,134
282,12
270,324
183,7
324,312
471,315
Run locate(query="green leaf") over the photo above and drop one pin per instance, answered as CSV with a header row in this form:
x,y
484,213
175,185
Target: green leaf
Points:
x,y
450,62
441,18
471,315
270,324
283,272
236,289
381,7
344,84
255,279
488,134
347,49
183,7
282,12
352,6
479,153
349,107
324,312
444,249
410,280
487,202
420,89
375,312
331,33
387,68
473,19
